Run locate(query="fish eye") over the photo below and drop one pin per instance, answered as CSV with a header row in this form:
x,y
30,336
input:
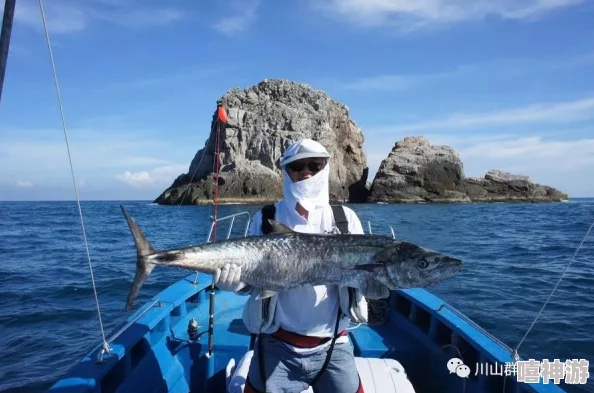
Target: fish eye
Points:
x,y
423,264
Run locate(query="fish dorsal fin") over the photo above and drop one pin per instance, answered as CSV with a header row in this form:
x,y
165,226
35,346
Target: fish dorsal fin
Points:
x,y
279,229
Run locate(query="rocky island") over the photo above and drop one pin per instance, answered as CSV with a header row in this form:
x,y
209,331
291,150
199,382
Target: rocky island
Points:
x,y
416,171
263,120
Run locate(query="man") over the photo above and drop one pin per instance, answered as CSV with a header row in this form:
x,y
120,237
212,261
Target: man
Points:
x,y
296,327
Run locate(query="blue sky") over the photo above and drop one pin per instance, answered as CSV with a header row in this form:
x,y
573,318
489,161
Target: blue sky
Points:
x,y
508,84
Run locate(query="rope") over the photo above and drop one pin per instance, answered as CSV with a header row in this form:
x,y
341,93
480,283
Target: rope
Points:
x,y
195,170
217,165
105,345
515,352
189,184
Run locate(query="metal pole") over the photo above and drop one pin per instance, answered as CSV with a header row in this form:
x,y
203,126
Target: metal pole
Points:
x,y
5,38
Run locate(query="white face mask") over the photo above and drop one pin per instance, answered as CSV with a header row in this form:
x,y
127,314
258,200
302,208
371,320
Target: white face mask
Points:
x,y
310,193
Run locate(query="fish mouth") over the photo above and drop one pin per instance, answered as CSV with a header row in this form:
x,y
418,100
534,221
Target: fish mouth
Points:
x,y
451,270
454,263
443,260
451,263
441,267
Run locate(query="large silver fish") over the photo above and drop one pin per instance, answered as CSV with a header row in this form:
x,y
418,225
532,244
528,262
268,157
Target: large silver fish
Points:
x,y
286,259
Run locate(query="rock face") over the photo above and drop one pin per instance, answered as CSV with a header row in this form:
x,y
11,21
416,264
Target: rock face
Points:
x,y
416,171
263,121
499,186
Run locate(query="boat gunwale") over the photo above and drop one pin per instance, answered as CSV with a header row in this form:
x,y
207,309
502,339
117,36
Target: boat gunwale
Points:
x,y
489,348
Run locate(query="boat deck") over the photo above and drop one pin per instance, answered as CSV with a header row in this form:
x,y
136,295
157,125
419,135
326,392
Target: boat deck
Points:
x,y
153,353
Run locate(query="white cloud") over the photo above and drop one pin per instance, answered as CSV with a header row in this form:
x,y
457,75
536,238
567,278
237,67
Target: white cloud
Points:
x,y
564,164
491,69
60,17
534,156
391,82
569,153
583,60
556,112
142,17
413,15
23,184
388,82
89,150
245,15
71,16
156,178
97,156
560,154
177,77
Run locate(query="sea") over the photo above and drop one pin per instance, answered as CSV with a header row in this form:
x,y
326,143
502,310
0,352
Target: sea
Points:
x,y
514,254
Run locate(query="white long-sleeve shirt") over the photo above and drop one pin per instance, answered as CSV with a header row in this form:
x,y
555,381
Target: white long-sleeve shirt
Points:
x,y
309,310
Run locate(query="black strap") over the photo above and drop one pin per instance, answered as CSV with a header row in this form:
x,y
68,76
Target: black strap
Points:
x,y
342,224
317,377
340,219
324,366
261,362
268,212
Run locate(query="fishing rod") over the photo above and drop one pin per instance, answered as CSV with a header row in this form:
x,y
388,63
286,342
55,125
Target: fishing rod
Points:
x,y
220,119
9,6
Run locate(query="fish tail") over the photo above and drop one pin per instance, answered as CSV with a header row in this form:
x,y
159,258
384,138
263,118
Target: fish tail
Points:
x,y
143,266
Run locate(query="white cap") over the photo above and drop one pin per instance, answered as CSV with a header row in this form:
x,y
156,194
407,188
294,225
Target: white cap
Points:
x,y
305,148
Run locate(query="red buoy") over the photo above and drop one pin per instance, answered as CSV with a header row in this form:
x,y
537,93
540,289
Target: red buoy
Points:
x,y
222,114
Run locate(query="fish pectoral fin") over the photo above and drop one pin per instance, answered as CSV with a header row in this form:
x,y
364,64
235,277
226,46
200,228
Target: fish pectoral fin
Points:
x,y
370,267
266,293
278,228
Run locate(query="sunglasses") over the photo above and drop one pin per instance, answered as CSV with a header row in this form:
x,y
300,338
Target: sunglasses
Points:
x,y
313,166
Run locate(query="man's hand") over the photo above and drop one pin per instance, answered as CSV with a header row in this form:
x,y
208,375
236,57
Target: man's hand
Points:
x,y
373,289
229,278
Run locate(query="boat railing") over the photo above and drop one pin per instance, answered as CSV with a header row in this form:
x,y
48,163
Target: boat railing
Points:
x,y
231,217
247,225
106,349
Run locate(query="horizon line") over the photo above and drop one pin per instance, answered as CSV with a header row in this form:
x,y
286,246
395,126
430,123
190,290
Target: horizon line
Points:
x,y
151,201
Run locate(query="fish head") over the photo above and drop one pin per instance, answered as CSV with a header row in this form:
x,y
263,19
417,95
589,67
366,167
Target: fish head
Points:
x,y
407,265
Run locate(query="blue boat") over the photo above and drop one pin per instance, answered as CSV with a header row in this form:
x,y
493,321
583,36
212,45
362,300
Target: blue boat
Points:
x,y
170,345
